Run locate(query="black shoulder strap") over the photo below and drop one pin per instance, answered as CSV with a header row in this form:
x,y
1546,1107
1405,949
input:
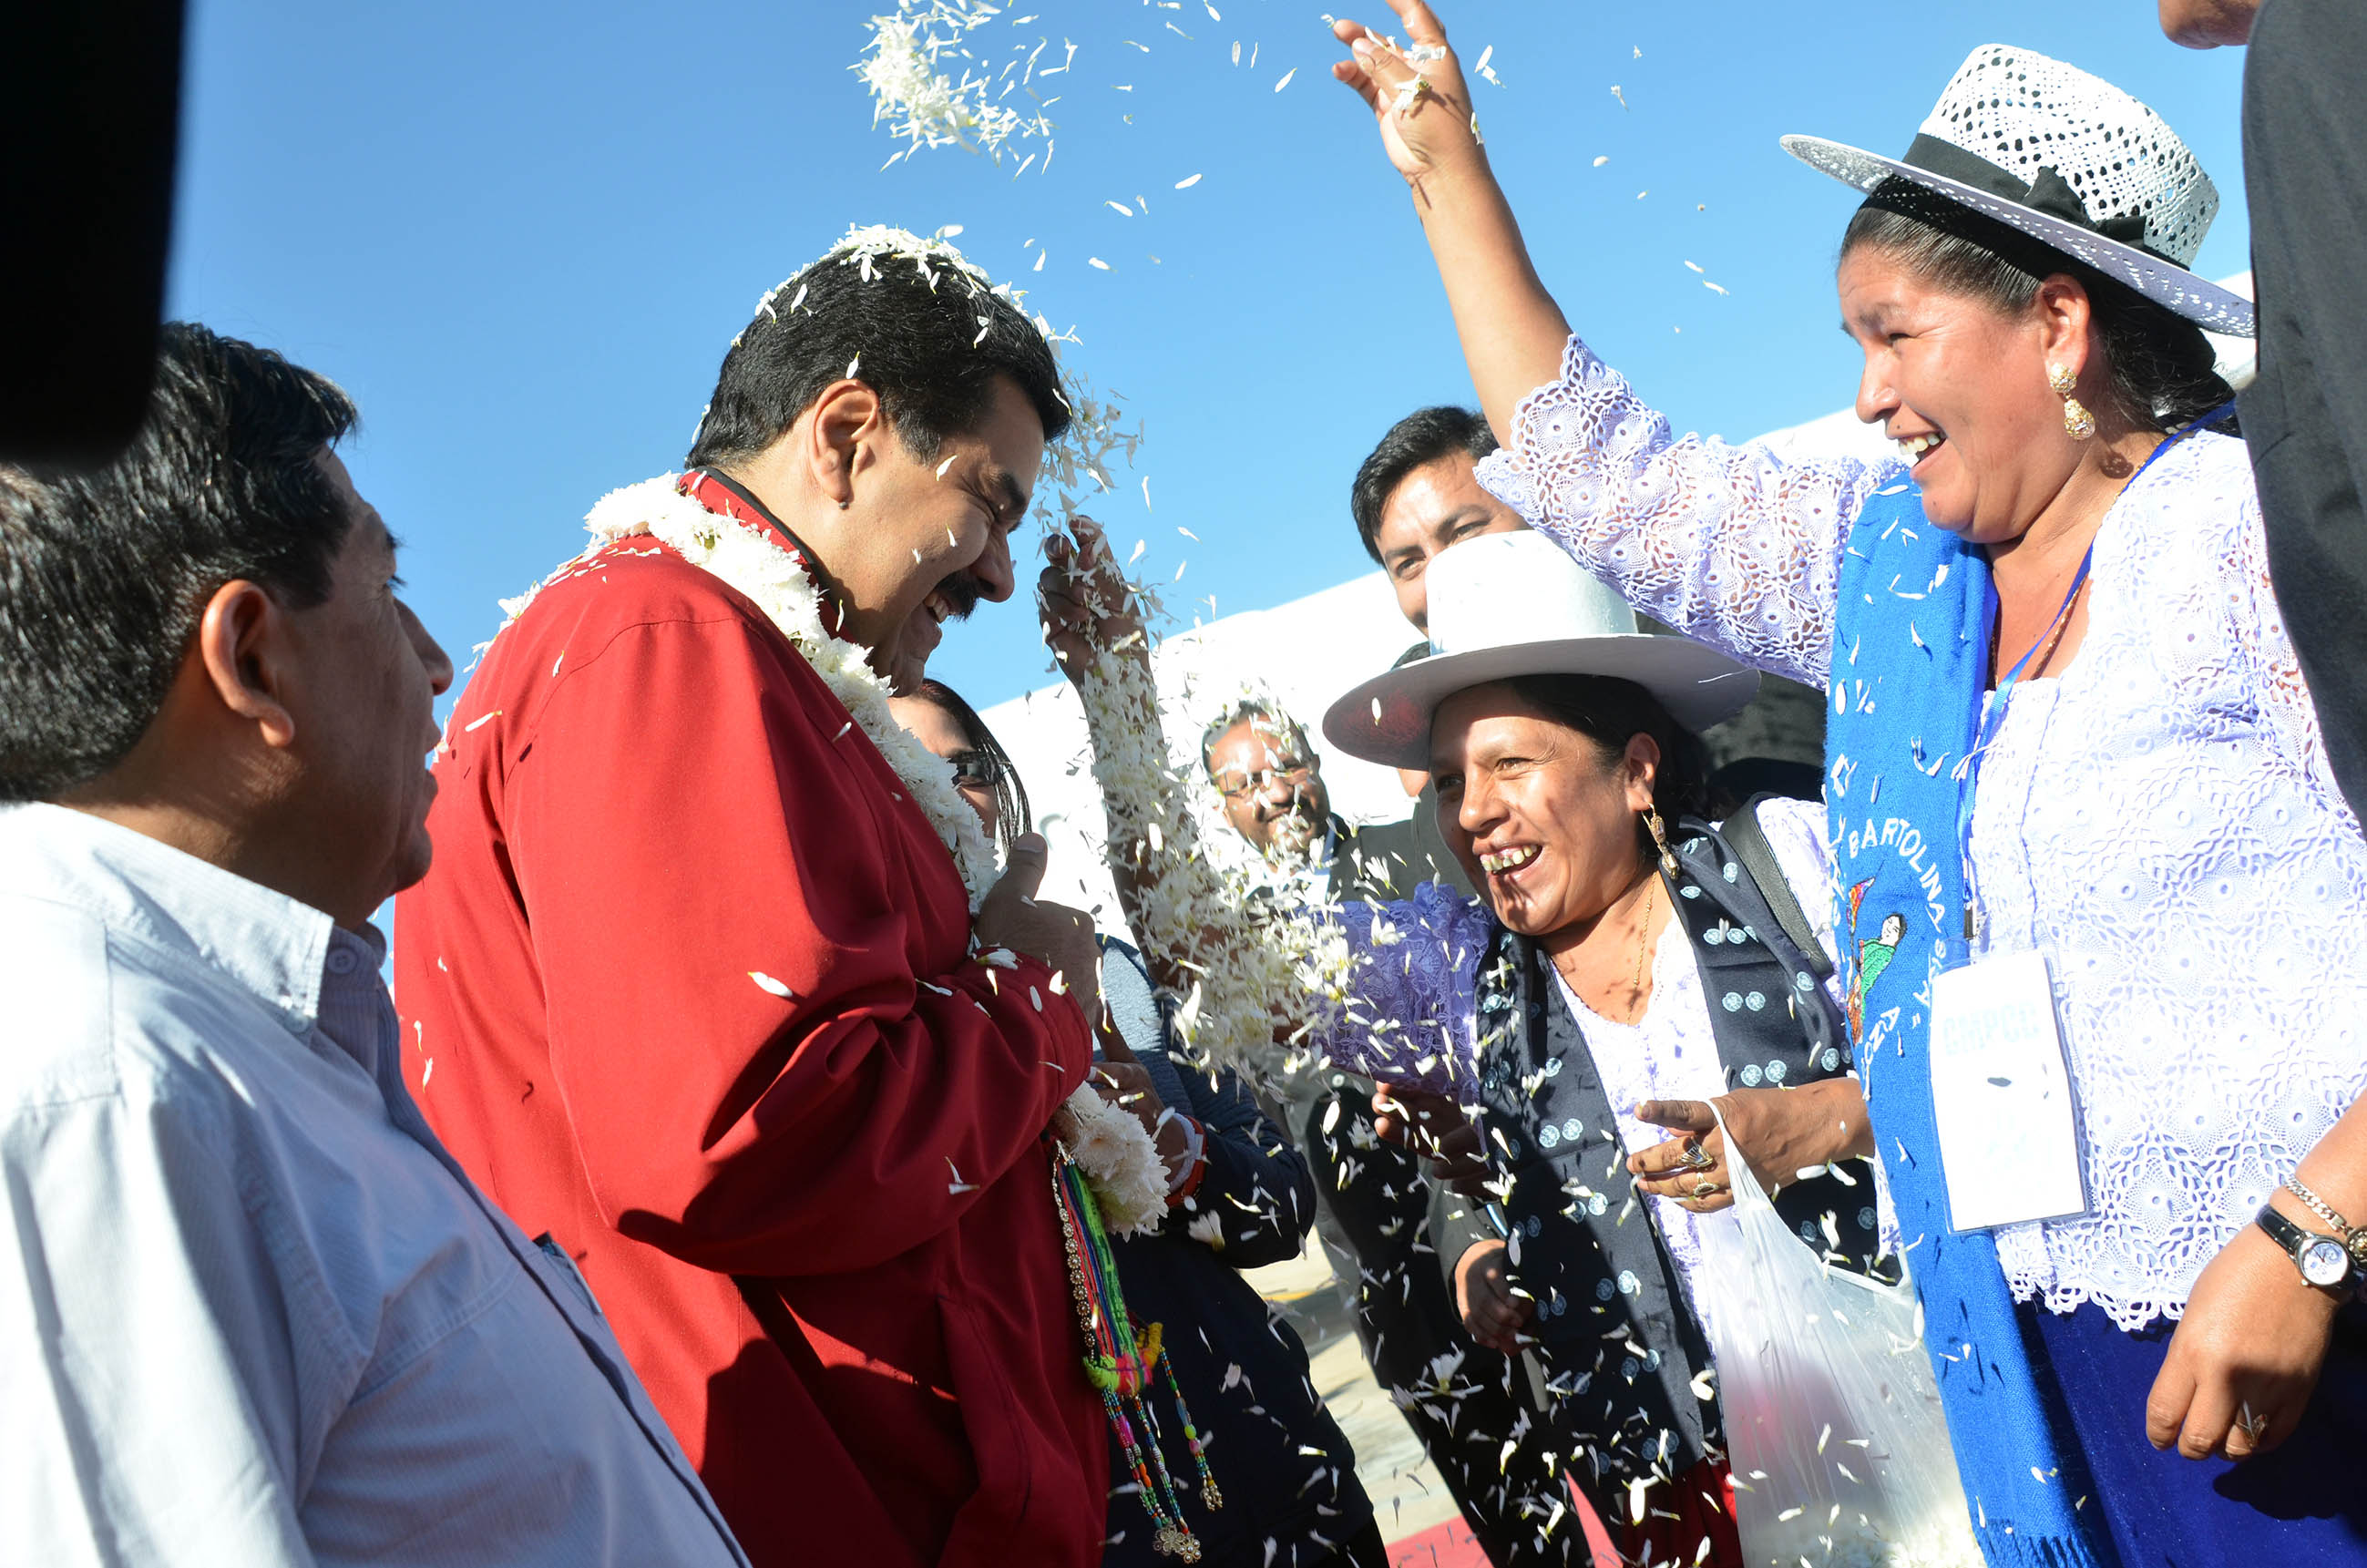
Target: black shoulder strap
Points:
x,y
1748,841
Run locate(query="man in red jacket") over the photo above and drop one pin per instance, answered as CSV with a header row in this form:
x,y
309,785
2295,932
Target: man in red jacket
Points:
x,y
695,988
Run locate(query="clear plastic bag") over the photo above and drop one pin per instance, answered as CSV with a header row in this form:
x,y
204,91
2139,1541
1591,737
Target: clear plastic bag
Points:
x,y
1833,1428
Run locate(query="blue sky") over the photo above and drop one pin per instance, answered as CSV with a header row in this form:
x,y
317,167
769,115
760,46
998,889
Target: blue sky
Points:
x,y
522,234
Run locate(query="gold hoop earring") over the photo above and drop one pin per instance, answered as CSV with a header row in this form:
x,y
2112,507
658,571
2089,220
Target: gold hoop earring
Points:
x,y
2077,422
1659,830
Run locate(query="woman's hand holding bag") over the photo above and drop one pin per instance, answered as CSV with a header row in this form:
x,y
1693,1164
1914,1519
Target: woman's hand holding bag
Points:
x,y
1839,1450
1784,1133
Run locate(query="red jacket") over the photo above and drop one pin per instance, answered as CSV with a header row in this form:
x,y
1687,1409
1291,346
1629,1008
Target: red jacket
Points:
x,y
821,1225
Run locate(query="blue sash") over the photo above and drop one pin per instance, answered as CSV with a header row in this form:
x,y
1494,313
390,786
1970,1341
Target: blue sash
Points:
x,y
1910,662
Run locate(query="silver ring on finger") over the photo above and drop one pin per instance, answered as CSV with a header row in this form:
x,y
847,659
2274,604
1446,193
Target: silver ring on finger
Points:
x,y
1704,1188
1695,1157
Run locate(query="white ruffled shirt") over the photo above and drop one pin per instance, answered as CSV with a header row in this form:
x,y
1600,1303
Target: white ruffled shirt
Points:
x,y
2159,818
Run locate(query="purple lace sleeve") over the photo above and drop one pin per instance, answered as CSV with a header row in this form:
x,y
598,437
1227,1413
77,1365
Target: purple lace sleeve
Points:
x,y
1406,1017
1734,545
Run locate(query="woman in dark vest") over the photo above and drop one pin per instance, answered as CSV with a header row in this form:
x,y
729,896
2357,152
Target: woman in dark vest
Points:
x,y
1625,965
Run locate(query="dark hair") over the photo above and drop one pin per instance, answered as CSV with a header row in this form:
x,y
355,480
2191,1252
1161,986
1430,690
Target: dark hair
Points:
x,y
1012,817
1422,436
1611,712
2164,374
105,573
1250,709
930,340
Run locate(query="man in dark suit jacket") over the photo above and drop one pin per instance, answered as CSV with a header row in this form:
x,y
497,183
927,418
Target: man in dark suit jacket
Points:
x,y
2305,413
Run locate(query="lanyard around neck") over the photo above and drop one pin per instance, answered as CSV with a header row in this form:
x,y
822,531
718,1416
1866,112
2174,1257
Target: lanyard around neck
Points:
x,y
1993,709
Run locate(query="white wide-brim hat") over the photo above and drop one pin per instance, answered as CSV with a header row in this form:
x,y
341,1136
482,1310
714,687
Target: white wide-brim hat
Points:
x,y
1512,604
2070,160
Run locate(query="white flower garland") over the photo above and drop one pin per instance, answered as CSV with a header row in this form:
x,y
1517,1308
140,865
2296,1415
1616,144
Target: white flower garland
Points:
x,y
776,582
1121,1162
1264,972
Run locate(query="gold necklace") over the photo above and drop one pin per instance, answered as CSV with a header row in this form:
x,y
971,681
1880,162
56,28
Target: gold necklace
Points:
x,y
1566,964
1643,946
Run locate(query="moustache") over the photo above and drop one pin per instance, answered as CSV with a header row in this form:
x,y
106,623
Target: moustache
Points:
x,y
962,592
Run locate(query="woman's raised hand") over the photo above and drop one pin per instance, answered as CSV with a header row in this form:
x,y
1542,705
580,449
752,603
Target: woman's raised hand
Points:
x,y
1513,332
1416,93
1084,601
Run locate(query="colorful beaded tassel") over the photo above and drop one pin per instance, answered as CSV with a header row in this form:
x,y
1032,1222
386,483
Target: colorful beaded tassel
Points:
x,y
1122,1363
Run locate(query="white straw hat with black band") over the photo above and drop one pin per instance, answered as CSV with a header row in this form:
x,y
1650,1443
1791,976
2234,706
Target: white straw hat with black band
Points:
x,y
2070,160
1513,605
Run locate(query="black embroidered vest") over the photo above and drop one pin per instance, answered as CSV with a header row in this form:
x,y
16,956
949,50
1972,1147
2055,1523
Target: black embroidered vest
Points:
x,y
1620,1345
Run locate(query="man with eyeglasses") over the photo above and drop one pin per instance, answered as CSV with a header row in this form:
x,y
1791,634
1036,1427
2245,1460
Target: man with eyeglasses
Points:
x,y
1272,783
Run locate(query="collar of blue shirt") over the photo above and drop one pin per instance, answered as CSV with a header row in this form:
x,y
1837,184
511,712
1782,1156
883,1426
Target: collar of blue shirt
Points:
x,y
266,942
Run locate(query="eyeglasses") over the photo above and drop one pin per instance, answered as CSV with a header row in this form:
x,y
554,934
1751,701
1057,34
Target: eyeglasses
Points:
x,y
1235,785
976,769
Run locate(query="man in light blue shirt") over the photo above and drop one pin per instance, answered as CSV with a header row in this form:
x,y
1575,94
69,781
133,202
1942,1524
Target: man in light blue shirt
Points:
x,y
251,1312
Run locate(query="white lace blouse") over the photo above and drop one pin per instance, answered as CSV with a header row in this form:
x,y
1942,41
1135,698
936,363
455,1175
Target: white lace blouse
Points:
x,y
2159,819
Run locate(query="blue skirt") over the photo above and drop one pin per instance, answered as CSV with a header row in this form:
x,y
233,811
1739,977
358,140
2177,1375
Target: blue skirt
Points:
x,y
2302,1504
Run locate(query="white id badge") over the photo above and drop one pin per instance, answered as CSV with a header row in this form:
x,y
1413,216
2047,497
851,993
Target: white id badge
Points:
x,y
2001,1095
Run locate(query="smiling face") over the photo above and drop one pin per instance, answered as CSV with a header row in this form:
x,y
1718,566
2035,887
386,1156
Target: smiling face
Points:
x,y
1273,787
1962,388
1542,816
931,537
1435,505
363,703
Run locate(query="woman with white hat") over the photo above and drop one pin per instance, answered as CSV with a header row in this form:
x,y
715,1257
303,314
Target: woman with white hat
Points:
x,y
2102,938
1626,964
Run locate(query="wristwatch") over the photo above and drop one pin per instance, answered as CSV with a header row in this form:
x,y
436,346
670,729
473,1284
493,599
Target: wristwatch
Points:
x,y
2323,1261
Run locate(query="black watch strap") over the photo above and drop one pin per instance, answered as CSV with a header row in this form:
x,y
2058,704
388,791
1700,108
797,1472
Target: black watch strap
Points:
x,y
2323,1260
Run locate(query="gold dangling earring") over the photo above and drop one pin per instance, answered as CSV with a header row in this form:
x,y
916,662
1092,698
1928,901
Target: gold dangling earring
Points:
x,y
2077,422
1653,825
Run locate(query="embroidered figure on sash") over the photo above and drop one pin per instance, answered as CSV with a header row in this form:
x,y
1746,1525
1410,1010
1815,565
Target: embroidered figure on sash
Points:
x,y
1869,957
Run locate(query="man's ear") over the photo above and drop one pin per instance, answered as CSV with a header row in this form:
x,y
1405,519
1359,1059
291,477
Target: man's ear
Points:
x,y
243,644
842,433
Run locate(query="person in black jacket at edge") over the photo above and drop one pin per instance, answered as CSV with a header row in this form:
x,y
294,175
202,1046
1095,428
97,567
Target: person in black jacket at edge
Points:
x,y
1242,1197
2304,412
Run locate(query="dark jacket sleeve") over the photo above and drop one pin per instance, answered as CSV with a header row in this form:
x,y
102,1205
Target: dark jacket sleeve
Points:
x,y
2305,412
1260,1189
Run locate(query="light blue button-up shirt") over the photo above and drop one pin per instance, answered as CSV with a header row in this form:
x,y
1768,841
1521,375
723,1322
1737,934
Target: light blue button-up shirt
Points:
x,y
251,1312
